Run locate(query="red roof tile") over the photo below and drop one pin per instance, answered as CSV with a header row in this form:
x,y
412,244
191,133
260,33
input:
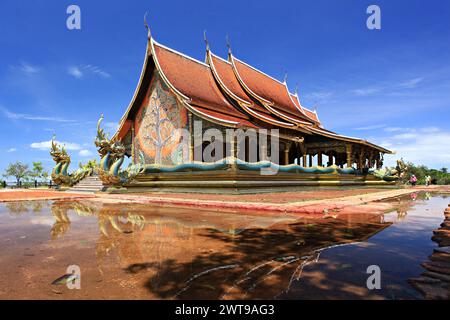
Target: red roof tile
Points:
x,y
225,74
223,117
194,80
268,89
311,115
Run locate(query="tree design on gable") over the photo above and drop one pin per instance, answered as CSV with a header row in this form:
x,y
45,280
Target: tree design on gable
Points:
x,y
158,121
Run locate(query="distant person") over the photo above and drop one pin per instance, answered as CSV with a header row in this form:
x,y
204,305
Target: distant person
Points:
x,y
427,180
413,180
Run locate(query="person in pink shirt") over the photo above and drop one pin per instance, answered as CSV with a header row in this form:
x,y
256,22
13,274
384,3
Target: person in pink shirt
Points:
x,y
413,180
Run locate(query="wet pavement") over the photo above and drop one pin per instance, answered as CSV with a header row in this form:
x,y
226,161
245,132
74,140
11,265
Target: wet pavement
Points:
x,y
138,251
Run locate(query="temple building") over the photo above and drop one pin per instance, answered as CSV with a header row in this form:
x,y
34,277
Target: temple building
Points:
x,y
176,92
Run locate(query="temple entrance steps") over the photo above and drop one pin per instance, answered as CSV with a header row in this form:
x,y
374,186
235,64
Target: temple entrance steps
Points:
x,y
88,184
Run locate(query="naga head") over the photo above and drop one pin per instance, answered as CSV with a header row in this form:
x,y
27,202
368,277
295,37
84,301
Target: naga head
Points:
x,y
57,152
102,141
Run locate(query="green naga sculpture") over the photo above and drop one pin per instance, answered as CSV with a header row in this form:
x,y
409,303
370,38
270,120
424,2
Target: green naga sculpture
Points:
x,y
397,173
60,175
112,154
62,159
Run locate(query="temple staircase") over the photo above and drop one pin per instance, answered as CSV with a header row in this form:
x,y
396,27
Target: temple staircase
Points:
x,y
88,184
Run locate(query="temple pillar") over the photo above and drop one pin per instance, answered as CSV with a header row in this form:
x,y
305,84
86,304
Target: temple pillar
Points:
x,y
287,146
132,144
330,159
310,160
371,161
361,159
377,161
319,159
304,160
349,151
191,137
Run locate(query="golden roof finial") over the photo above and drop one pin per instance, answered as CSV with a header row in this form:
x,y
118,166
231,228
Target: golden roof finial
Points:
x,y
228,44
149,35
285,77
206,40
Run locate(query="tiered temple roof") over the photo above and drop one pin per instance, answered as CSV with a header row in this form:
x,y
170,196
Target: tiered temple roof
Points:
x,y
231,93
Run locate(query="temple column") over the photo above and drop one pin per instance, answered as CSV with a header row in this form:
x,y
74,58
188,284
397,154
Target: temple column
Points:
x,y
377,161
371,159
132,144
287,146
319,159
191,137
330,159
310,160
304,160
361,159
349,150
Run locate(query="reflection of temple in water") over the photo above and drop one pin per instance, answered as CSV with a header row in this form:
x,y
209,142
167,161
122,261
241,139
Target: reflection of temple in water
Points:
x,y
202,254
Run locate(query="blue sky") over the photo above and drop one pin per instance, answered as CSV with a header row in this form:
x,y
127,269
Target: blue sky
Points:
x,y
391,86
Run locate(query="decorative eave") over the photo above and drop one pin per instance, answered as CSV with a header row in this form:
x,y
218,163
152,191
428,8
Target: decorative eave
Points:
x,y
269,105
136,91
315,112
296,100
187,101
244,104
336,136
263,101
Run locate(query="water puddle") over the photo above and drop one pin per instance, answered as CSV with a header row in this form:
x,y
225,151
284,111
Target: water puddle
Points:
x,y
140,251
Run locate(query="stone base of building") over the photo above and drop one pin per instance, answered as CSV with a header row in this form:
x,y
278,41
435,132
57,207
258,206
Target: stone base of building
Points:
x,y
239,182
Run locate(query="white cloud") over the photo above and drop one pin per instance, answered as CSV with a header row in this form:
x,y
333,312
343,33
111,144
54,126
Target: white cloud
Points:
x,y
23,116
365,91
412,83
405,136
430,129
46,145
11,150
423,146
319,95
111,126
96,70
76,72
27,68
79,71
85,153
394,129
376,126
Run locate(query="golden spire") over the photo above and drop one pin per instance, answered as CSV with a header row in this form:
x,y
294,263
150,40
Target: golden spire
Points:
x,y
149,35
206,40
285,77
228,44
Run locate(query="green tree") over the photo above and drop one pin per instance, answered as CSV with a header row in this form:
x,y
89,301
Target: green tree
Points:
x,y
420,171
17,170
37,170
45,175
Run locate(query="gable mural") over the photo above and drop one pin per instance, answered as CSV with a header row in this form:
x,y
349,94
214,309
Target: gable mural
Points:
x,y
157,138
